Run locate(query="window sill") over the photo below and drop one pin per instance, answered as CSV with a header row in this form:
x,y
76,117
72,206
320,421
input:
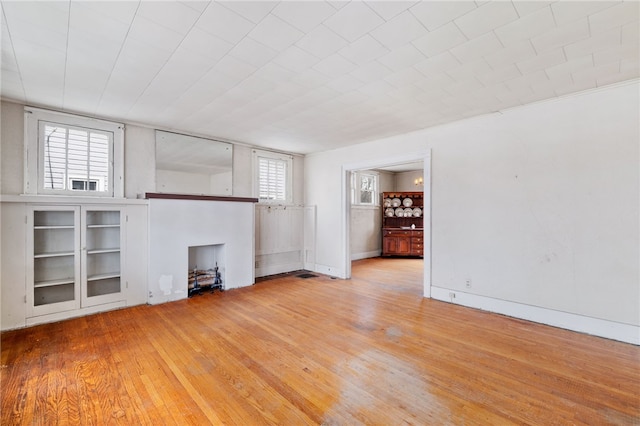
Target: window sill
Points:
x,y
67,199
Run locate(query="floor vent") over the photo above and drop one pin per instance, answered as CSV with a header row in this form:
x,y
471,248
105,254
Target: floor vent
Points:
x,y
306,276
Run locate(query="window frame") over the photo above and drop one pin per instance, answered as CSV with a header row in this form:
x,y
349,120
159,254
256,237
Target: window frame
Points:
x,y
34,152
356,192
288,160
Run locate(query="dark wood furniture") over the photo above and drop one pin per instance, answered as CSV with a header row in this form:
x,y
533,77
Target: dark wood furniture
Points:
x,y
402,224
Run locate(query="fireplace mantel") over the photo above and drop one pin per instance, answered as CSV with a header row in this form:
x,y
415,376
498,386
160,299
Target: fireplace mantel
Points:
x,y
167,196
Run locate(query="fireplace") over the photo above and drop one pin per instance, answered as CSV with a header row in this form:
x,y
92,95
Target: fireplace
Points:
x,y
206,268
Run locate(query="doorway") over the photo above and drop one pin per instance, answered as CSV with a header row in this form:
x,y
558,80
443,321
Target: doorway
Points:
x,y
425,157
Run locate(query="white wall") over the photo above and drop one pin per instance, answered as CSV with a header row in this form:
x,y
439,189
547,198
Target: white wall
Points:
x,y
405,181
537,205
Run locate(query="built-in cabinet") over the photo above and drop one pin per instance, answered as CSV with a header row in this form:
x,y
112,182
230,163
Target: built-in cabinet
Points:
x,y
402,224
76,254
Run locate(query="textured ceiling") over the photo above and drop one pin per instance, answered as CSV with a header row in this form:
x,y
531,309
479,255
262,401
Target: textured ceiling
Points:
x,y
309,76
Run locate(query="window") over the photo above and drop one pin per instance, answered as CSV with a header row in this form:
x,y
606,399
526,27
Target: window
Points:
x,y
273,177
364,188
72,155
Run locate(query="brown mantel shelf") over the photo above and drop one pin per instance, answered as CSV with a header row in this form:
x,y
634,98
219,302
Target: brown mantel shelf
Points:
x,y
165,196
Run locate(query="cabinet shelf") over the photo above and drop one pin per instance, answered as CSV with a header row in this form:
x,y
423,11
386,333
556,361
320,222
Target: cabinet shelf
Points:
x,y
54,227
99,277
104,250
53,283
53,254
103,226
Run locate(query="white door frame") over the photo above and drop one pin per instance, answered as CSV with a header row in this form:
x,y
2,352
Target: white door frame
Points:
x,y
426,211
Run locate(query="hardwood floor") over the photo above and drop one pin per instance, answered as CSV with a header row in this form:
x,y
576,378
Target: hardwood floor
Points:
x,y
298,351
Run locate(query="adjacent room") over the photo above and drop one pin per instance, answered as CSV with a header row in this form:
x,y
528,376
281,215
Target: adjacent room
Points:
x,y
320,212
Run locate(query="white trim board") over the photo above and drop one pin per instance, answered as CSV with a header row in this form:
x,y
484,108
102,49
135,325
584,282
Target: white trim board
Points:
x,y
365,255
598,327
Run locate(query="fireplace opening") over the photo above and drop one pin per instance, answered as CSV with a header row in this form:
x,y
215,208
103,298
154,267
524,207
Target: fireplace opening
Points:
x,y
206,269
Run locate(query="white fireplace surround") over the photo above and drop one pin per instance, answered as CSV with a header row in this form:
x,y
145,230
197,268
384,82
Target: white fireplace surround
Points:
x,y
176,224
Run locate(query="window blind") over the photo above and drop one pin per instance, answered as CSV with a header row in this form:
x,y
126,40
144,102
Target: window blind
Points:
x,y
76,158
272,179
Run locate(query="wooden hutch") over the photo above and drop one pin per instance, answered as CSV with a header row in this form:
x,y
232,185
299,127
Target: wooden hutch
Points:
x,y
402,224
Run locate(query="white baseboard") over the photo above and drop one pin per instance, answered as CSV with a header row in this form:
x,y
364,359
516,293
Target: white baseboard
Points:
x,y
365,255
59,316
598,327
329,270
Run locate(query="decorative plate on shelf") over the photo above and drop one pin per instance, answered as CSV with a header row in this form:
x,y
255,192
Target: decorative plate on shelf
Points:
x,y
387,202
407,202
408,212
395,202
400,212
389,212
417,212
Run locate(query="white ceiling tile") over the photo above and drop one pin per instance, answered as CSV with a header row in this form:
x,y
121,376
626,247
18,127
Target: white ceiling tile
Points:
x,y
304,16
567,11
614,16
252,52
345,83
618,77
310,79
234,68
470,70
477,47
35,34
462,88
51,16
561,36
405,77
437,64
363,50
321,42
434,14
171,14
511,54
631,33
435,82
153,34
389,9
617,53
499,75
593,44
353,21
402,57
203,43
196,5
526,7
527,80
122,11
589,76
376,89
11,84
275,33
487,17
440,40
531,25
221,22
542,61
566,68
254,11
93,22
33,58
371,72
275,73
399,31
338,4
296,59
631,66
335,66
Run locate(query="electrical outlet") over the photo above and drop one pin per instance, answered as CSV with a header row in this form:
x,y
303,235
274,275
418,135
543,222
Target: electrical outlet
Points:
x,y
468,282
452,295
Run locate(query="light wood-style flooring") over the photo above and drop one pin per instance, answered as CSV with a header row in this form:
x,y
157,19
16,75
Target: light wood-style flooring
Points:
x,y
292,351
